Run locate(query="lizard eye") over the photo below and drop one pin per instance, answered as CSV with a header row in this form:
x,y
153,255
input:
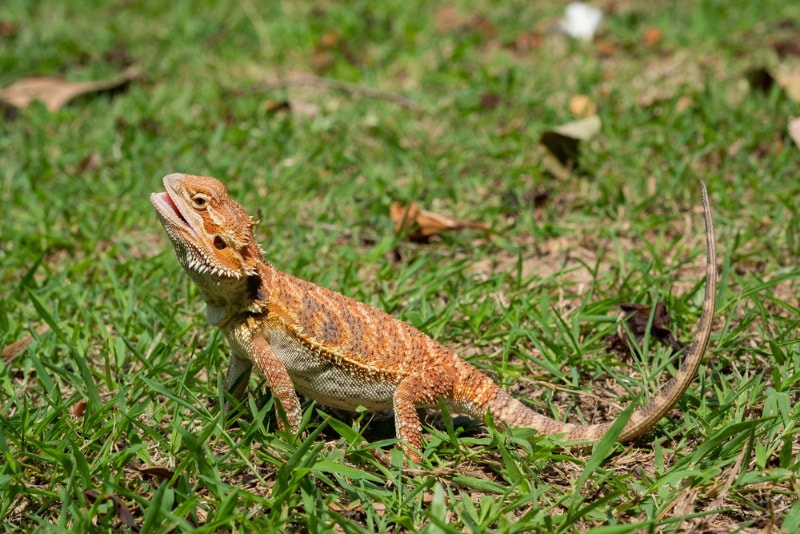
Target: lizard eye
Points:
x,y
200,201
219,243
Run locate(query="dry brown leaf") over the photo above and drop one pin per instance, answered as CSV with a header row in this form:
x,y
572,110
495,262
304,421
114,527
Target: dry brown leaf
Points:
x,y
790,83
11,351
582,130
158,472
420,224
121,509
638,316
683,103
8,29
605,49
794,131
483,25
490,100
428,497
354,506
582,106
759,78
273,106
651,35
762,79
323,55
785,38
87,164
55,92
330,39
563,141
786,47
526,41
79,409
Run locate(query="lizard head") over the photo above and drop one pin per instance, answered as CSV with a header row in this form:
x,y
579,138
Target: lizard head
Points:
x,y
211,233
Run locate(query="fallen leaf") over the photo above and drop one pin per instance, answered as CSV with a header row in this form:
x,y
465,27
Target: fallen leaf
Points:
x,y
582,130
582,106
786,38
12,350
158,472
762,79
786,47
794,132
563,141
638,316
354,506
323,55
420,224
770,147
683,103
605,49
759,78
119,55
121,509
55,92
79,409
9,112
321,59
525,41
8,29
790,83
490,100
88,164
271,106
651,35
483,25
330,39
535,197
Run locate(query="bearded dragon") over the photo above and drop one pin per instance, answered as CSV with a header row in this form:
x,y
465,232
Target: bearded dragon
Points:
x,y
345,354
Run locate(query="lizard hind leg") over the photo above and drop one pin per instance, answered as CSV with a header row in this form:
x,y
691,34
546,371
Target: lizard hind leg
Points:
x,y
420,390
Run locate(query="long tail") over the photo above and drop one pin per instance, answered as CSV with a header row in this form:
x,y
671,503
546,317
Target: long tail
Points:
x,y
507,410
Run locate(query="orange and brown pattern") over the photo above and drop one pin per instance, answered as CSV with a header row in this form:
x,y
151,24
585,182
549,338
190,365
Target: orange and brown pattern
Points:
x,y
344,353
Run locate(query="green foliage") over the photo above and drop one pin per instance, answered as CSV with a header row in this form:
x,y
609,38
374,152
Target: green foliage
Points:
x,y
121,373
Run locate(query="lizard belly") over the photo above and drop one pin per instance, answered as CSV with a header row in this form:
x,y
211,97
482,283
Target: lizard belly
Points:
x,y
320,377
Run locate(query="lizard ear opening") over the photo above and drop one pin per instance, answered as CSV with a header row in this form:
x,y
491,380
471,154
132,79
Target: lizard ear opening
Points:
x,y
219,243
254,288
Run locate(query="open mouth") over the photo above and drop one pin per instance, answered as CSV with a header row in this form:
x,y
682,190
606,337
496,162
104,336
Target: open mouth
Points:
x,y
168,210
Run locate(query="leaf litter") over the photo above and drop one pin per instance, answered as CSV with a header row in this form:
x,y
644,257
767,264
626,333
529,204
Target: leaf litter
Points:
x,y
637,319
121,509
417,224
54,93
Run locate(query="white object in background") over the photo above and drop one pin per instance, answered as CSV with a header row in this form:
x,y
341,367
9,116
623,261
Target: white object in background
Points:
x,y
581,20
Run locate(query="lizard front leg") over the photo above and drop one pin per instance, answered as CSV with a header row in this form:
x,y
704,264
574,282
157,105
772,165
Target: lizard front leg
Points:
x,y
421,390
278,380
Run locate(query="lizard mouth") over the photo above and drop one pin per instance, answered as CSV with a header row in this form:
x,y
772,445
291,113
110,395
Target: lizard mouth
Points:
x,y
169,212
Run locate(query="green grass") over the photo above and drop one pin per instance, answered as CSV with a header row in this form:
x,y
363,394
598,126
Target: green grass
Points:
x,y
531,302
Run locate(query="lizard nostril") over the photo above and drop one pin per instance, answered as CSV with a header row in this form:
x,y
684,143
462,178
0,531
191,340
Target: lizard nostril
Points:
x,y
219,243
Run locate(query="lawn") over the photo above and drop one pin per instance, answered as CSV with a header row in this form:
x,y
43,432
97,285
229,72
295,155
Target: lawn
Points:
x,y
320,116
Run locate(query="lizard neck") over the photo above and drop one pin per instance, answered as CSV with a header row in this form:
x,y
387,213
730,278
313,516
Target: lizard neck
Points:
x,y
227,299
